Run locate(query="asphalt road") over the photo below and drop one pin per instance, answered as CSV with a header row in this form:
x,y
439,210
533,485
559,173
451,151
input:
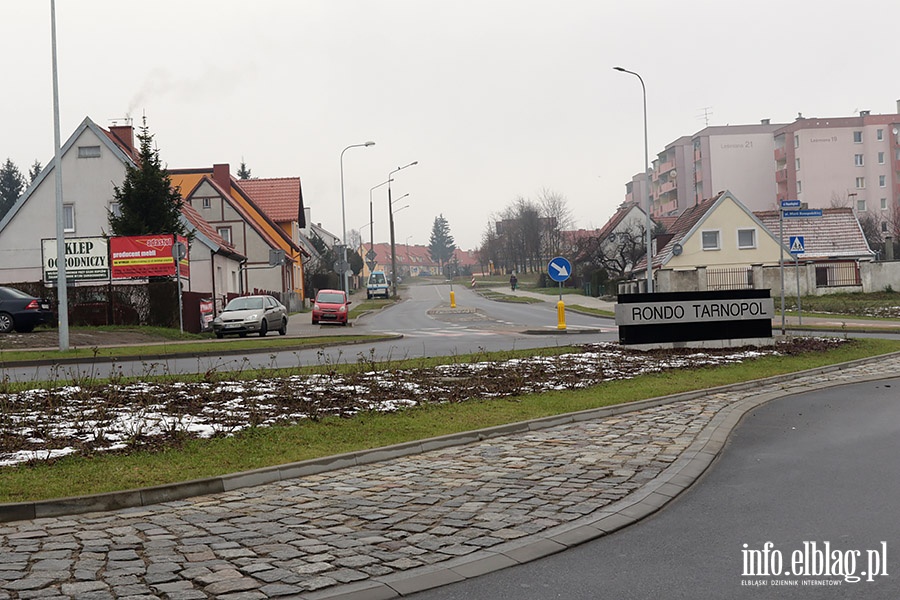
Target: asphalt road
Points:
x,y
816,468
425,329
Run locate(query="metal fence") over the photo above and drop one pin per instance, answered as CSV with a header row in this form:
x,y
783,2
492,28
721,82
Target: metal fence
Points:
x,y
838,274
737,278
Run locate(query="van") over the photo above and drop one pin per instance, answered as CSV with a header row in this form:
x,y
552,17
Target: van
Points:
x,y
377,285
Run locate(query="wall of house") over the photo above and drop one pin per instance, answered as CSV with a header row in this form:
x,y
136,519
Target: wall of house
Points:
x,y
87,184
244,238
727,219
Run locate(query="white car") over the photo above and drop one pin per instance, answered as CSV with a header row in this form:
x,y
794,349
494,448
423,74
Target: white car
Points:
x,y
251,314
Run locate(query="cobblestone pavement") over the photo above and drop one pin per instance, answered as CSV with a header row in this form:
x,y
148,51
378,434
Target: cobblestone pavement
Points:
x,y
368,531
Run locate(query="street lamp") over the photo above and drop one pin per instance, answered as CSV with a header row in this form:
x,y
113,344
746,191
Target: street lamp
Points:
x,y
399,199
393,245
646,174
344,264
371,216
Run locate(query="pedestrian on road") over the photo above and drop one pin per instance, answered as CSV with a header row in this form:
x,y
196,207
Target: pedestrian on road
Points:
x,y
513,281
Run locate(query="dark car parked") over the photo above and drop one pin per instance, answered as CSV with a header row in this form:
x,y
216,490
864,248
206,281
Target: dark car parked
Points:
x,y
22,312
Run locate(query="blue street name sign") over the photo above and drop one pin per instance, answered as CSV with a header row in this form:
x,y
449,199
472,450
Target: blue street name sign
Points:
x,y
790,204
802,213
559,269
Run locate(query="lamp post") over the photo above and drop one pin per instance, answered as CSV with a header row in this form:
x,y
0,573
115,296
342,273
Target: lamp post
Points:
x,y
646,174
344,265
393,244
371,215
62,292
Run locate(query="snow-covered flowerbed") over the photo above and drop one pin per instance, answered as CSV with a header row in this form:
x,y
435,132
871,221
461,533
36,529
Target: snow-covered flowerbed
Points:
x,y
43,424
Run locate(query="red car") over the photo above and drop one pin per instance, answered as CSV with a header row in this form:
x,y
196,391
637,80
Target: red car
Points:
x,y
330,307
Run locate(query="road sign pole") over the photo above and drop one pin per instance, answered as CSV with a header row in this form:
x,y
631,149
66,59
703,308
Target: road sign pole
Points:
x,y
781,261
797,268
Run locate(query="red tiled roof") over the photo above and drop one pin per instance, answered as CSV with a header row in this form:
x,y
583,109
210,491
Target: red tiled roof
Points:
x,y
278,197
682,225
416,255
617,218
205,228
666,222
836,234
123,146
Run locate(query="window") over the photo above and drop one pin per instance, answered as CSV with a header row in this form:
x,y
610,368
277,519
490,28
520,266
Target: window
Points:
x,y
884,227
858,160
207,203
857,137
225,232
746,238
881,158
68,218
710,240
88,151
796,164
799,186
879,134
861,205
884,204
882,181
796,141
860,183
115,209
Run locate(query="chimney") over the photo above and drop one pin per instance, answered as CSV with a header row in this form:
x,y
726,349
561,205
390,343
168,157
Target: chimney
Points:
x,y
765,122
124,135
864,113
222,175
898,107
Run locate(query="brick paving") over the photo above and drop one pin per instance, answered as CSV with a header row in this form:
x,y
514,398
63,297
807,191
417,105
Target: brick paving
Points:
x,y
362,529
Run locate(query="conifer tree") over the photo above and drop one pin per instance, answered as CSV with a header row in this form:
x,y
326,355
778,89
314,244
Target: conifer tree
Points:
x,y
148,205
11,185
441,246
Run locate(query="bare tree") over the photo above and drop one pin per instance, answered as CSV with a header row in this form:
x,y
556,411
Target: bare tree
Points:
x,y
558,218
871,228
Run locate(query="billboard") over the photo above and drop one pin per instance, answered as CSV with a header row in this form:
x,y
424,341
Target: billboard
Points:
x,y
141,256
87,259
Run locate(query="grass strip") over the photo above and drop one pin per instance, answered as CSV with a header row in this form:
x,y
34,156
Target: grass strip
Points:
x,y
269,446
592,311
8,357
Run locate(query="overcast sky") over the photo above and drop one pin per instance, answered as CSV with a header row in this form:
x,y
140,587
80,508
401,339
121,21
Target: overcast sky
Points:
x,y
496,99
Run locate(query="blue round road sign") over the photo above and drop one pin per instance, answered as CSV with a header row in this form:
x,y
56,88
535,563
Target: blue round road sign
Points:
x,y
559,269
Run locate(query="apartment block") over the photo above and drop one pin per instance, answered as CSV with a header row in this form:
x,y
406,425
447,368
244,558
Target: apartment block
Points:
x,y
824,162
843,161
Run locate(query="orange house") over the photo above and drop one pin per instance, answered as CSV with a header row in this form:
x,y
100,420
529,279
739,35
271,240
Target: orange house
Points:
x,y
274,259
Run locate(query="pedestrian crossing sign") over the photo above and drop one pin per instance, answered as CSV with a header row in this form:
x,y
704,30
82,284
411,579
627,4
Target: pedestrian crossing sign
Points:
x,y
797,244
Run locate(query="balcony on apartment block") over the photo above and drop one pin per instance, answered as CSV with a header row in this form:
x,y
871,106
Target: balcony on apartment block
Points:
x,y
780,155
781,176
667,187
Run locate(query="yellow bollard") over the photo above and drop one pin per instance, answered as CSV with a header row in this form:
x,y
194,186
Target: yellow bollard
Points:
x,y
452,299
561,314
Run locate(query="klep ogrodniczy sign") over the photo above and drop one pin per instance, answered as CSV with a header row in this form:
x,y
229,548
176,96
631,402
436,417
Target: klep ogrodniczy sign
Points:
x,y
86,259
694,316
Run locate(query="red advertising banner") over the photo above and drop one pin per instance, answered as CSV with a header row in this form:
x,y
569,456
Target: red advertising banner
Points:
x,y
140,256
